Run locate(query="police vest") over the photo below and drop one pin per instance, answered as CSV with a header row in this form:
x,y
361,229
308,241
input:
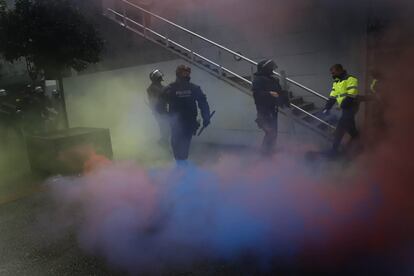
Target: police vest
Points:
x,y
346,87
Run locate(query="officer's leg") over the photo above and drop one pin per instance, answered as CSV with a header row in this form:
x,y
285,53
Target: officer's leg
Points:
x,y
164,129
269,140
185,145
353,131
3,132
339,133
180,142
175,140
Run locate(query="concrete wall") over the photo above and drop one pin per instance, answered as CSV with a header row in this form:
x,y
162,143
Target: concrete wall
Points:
x,y
117,100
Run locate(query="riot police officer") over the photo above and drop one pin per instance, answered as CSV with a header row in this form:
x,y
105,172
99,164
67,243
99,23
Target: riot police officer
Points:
x,y
158,104
268,97
183,97
9,116
345,94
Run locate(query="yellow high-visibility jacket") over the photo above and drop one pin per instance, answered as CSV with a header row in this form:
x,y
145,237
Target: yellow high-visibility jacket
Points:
x,y
344,87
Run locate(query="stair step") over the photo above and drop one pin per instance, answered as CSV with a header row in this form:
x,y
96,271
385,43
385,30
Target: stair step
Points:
x,y
297,100
323,127
307,106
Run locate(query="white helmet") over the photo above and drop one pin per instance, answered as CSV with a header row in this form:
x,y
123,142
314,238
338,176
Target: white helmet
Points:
x,y
156,75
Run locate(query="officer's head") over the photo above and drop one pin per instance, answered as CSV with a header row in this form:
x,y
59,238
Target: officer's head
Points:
x,y
55,93
39,90
156,76
3,93
183,73
337,70
266,67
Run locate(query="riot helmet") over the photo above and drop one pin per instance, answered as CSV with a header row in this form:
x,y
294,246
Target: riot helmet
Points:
x,y
156,76
266,67
39,90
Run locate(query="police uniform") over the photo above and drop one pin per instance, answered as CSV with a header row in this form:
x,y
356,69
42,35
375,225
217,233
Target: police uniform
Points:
x,y
345,94
158,105
8,117
183,97
266,105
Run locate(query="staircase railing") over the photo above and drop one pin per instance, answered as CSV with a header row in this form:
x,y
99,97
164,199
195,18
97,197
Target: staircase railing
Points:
x,y
144,29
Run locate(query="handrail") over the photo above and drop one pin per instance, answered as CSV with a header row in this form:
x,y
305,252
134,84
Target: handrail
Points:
x,y
125,19
222,47
179,45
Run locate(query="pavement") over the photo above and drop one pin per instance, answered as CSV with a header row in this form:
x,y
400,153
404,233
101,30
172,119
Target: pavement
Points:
x,y
27,247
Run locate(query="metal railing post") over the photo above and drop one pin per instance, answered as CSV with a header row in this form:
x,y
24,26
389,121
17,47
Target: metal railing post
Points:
x,y
220,62
191,49
144,23
124,14
283,82
167,41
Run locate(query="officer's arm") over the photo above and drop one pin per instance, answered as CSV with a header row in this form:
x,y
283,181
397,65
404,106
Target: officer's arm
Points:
x,y
352,87
351,92
332,99
166,93
203,105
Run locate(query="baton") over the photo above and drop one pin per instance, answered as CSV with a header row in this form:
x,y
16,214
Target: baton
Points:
x,y
204,127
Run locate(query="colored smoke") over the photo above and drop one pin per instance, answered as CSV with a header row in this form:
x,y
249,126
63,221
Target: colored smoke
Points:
x,y
284,212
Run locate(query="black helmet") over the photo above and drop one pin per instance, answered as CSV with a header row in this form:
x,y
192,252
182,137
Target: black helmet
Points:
x,y
156,75
266,66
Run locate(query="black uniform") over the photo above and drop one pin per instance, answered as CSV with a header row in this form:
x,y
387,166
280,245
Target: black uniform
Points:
x,y
9,118
183,97
159,108
267,107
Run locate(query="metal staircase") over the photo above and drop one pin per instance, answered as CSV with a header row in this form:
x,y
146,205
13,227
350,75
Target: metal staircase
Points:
x,y
127,15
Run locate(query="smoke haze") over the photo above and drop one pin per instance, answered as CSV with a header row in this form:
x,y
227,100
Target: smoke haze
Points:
x,y
283,212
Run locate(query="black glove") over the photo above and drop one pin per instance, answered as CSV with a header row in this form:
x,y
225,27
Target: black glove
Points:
x,y
326,112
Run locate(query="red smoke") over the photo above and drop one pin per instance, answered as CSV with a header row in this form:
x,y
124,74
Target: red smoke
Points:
x,y
82,158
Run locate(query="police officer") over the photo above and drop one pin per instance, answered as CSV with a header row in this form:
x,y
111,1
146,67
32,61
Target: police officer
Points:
x,y
345,94
8,116
268,97
158,104
36,110
183,97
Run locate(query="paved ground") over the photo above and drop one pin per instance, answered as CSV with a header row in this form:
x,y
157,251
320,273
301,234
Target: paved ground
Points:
x,y
26,248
